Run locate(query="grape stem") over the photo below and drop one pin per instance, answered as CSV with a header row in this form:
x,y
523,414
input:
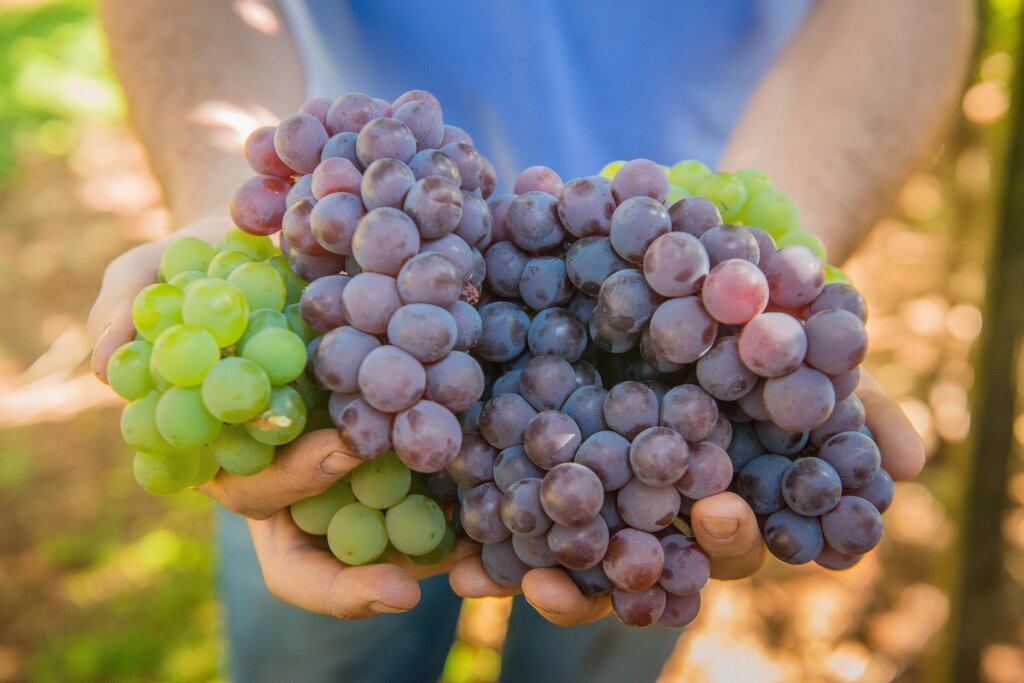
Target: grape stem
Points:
x,y
470,294
683,526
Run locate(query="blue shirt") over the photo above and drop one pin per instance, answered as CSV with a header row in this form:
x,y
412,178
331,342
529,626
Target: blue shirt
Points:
x,y
570,84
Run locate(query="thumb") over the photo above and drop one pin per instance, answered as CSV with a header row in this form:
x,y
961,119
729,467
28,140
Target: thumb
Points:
x,y
303,468
727,531
110,320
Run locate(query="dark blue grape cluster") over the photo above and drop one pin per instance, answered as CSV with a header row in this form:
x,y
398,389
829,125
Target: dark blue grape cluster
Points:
x,y
641,355
614,351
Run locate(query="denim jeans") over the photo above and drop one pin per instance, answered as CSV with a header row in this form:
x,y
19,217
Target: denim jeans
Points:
x,y
272,642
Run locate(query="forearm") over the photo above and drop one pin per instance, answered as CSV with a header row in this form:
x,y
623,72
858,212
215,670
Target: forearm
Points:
x,y
852,106
197,79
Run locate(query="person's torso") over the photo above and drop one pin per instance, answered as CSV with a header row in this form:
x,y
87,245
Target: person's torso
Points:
x,y
571,84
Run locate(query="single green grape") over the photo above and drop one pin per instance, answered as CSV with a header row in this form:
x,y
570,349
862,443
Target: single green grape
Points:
x,y
835,274
298,324
416,525
259,320
356,534
282,421
258,247
183,354
754,180
218,307
185,253
225,262
675,193
804,238
281,354
239,453
773,211
313,515
128,370
139,428
441,552
183,420
611,169
166,473
313,396
293,284
207,466
262,286
185,278
382,481
235,390
727,192
156,308
687,173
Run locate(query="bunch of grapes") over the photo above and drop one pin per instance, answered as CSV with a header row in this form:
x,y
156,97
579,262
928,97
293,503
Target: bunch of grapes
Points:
x,y
381,206
215,376
558,373
718,349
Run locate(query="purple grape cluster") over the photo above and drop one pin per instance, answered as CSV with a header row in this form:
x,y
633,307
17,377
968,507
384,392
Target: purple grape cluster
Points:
x,y
640,357
381,208
574,364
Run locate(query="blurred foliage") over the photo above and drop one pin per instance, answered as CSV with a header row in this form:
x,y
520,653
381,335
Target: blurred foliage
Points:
x,y
55,78
103,582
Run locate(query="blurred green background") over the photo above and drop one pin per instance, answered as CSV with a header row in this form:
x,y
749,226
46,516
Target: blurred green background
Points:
x,y
102,582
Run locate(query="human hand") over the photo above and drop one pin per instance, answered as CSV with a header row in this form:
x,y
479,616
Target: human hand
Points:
x,y
297,567
110,320
724,525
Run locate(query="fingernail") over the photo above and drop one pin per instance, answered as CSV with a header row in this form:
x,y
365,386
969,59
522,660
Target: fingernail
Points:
x,y
335,464
381,608
104,333
100,373
721,528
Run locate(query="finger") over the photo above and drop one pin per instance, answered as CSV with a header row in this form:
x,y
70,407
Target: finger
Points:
x,y
110,320
902,450
469,580
117,331
303,468
552,593
727,531
307,576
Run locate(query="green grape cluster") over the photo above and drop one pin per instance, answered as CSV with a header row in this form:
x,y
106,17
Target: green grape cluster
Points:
x,y
215,376
379,507
746,197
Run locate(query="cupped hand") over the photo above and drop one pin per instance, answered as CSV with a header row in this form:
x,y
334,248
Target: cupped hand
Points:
x,y
724,525
297,567
110,320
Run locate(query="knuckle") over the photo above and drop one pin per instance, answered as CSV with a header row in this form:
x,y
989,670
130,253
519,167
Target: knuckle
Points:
x,y
227,492
120,264
338,598
295,480
242,505
274,583
251,511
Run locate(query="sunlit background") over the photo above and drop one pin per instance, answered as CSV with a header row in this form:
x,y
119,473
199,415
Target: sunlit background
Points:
x,y
100,581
